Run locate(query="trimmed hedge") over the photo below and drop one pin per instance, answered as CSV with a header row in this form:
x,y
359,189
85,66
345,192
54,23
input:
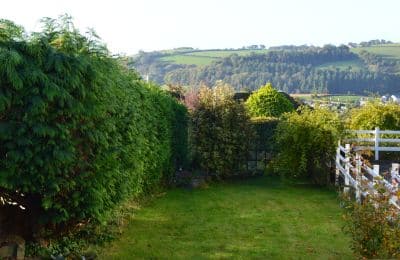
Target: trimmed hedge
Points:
x,y
78,132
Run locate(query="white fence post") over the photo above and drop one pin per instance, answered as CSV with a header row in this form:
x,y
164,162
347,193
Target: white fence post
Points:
x,y
395,170
358,177
395,167
377,143
337,163
376,169
347,168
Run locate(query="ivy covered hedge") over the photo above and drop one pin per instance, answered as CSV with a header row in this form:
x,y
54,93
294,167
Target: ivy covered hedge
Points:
x,y
79,132
221,133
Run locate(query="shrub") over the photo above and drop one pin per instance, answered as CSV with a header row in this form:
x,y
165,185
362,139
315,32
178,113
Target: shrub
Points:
x,y
373,114
305,141
78,132
221,131
268,102
374,226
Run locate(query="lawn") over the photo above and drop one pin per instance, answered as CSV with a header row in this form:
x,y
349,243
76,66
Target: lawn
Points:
x,y
189,59
389,51
226,53
260,218
356,65
206,57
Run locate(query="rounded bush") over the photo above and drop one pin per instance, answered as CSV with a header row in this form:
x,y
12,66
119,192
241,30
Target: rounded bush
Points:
x,y
268,102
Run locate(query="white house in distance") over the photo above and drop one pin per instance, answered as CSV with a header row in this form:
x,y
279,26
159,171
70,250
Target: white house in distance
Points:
x,y
392,98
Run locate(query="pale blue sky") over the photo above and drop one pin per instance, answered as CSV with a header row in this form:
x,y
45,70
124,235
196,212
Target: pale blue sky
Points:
x,y
129,26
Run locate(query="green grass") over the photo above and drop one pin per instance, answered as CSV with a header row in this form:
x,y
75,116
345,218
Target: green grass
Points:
x,y
202,58
327,97
226,53
356,65
259,218
189,59
389,51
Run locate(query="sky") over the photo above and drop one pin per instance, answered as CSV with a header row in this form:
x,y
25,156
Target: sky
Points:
x,y
127,26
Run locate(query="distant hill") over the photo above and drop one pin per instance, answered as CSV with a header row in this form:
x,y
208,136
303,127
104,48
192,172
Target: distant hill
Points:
x,y
354,68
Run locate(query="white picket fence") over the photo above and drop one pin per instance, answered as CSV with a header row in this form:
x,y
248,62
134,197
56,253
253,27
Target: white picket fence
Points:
x,y
378,144
357,174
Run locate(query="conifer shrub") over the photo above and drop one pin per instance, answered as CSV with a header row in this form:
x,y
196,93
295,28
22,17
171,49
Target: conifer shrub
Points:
x,y
79,133
268,102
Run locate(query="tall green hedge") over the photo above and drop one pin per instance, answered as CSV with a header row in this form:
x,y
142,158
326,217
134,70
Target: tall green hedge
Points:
x,y
79,132
305,141
221,132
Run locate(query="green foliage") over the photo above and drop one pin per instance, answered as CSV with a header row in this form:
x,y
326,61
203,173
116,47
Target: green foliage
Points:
x,y
374,114
305,141
221,131
78,132
264,129
374,226
268,102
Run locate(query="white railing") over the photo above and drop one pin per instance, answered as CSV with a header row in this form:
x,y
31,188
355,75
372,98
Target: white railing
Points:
x,y
376,140
359,176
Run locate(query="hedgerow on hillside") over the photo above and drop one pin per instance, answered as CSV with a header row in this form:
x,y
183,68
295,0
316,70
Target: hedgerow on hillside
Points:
x,y
79,132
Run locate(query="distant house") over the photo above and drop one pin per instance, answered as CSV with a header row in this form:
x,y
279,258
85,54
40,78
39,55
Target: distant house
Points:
x,y
394,99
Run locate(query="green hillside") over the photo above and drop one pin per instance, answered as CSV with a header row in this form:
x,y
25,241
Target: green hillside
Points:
x,y
362,68
189,59
387,51
355,65
206,57
189,56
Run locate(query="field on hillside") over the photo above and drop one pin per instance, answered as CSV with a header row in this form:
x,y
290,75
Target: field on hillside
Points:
x,y
201,58
259,218
389,51
356,65
205,57
327,97
189,59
